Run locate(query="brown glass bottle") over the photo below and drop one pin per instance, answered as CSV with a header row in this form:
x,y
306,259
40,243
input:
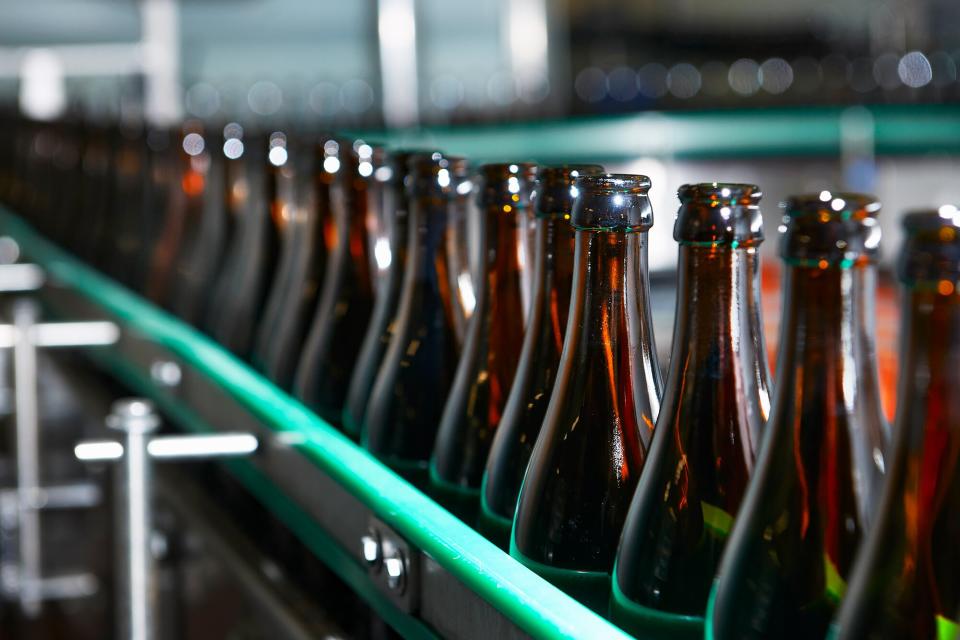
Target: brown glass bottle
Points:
x,y
205,231
714,407
604,402
492,343
240,294
185,185
411,387
296,286
346,298
906,583
463,254
542,342
813,488
391,258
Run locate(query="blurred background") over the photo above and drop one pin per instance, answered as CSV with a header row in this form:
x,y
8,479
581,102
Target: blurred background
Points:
x,y
796,96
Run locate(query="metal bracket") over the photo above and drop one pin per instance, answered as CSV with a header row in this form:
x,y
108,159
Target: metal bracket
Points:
x,y
137,420
21,577
394,563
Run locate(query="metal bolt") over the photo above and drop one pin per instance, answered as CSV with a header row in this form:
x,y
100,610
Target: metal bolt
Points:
x,y
133,415
166,373
370,545
394,565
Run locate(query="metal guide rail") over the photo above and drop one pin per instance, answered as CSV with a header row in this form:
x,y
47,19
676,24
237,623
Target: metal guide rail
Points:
x,y
420,568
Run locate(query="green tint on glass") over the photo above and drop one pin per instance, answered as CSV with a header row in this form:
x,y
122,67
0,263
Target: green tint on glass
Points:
x,y
407,399
542,342
492,344
711,418
588,455
906,584
809,499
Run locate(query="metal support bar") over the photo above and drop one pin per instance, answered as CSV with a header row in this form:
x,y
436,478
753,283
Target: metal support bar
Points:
x,y
137,419
22,572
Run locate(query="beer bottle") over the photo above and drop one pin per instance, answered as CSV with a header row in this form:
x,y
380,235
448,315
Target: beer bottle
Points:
x,y
128,237
296,286
587,459
390,255
346,298
238,302
205,230
543,339
463,254
813,489
411,387
906,582
491,349
184,182
714,407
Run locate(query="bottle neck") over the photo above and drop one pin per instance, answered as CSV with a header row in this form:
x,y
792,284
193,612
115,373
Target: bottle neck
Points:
x,y
928,414
610,309
718,300
828,322
553,273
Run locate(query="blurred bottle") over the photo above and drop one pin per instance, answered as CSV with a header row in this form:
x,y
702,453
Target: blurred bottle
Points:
x,y
96,195
540,354
906,582
205,228
390,254
605,399
346,298
296,285
240,294
161,163
492,344
463,254
714,407
407,398
127,239
814,487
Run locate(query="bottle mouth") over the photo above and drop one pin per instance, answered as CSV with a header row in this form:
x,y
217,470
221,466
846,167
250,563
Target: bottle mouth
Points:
x,y
720,194
830,229
931,253
613,183
434,173
829,205
508,185
718,213
555,190
612,202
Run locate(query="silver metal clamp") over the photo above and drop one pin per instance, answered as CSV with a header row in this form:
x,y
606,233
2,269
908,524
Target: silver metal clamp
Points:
x,y
137,420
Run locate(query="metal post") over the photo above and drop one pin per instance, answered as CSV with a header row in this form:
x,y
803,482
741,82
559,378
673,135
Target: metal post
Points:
x,y
28,456
136,419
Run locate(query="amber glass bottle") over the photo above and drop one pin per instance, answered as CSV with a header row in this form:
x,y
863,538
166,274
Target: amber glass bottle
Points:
x,y
186,168
346,297
411,387
295,289
391,258
128,239
204,231
906,583
492,343
542,342
605,399
714,407
809,499
462,254
241,290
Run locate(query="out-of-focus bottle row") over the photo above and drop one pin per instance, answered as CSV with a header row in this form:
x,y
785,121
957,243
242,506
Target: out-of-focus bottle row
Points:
x,y
486,332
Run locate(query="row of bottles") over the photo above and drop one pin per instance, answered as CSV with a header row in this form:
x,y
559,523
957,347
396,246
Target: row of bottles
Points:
x,y
486,332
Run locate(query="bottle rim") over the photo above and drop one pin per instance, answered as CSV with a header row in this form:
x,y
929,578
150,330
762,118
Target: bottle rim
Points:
x,y
718,194
832,205
555,189
611,183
